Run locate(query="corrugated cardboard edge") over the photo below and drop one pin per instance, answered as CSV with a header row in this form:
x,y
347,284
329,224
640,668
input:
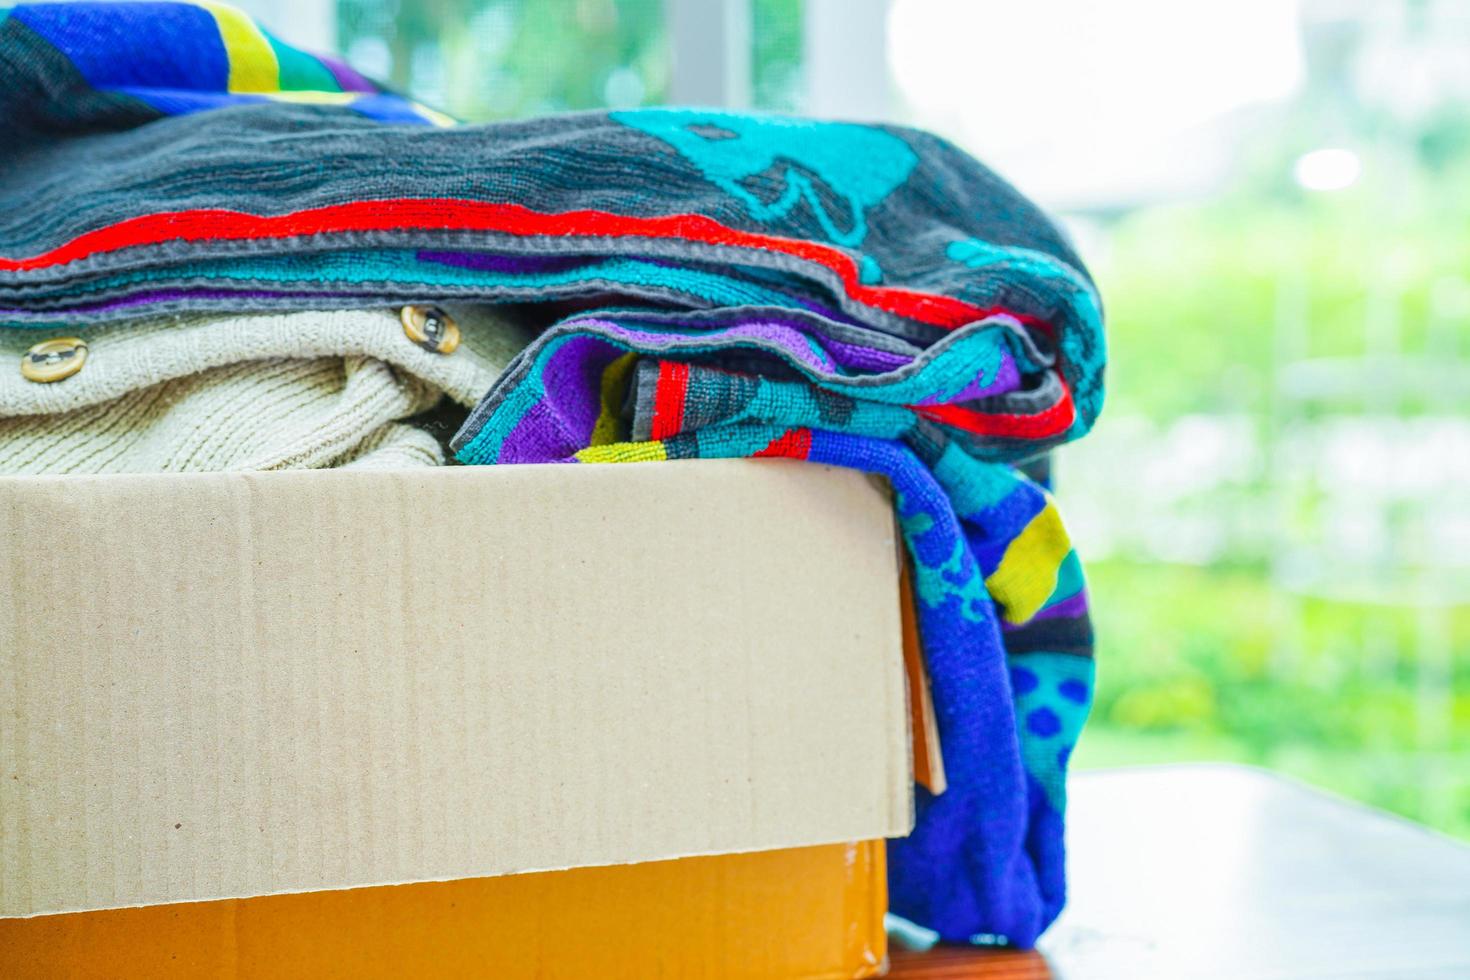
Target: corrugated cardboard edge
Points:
x,y
923,722
771,492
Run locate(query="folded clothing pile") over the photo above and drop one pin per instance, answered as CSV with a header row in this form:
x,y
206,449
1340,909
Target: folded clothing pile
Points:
x,y
702,284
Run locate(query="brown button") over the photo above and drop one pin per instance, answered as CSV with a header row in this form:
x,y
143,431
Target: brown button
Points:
x,y
431,328
52,360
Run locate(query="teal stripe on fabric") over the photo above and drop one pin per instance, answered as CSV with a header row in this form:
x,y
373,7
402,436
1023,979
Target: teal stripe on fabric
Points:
x,y
1051,708
405,267
1069,579
299,71
792,404
1088,360
974,486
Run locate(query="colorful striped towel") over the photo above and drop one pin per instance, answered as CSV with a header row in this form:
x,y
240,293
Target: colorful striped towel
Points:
x,y
715,284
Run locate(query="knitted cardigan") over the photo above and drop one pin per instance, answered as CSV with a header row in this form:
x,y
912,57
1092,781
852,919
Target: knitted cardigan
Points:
x,y
211,392
727,284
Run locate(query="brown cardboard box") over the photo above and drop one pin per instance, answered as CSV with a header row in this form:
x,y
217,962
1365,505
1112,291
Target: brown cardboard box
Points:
x,y
234,686
809,912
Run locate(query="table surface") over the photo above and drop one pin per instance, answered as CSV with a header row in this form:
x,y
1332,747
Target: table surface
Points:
x,y
1226,871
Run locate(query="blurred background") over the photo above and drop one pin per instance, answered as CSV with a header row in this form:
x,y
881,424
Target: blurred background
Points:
x,y
1274,196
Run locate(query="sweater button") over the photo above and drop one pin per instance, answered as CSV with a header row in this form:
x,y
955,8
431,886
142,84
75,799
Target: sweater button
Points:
x,y
52,360
431,328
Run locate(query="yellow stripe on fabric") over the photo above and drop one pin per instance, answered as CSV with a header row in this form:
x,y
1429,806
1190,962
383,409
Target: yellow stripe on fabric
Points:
x,y
347,98
253,65
314,98
434,116
624,452
1027,574
614,388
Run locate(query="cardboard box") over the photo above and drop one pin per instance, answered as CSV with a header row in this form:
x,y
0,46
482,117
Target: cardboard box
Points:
x,y
813,912
232,686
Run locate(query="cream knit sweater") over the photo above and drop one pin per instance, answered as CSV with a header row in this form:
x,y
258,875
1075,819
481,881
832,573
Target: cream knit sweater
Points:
x,y
256,392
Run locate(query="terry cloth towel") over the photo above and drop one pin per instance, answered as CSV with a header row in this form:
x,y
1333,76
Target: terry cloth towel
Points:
x,y
885,302
256,392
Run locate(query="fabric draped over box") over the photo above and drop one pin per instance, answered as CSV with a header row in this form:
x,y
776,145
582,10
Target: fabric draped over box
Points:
x,y
714,284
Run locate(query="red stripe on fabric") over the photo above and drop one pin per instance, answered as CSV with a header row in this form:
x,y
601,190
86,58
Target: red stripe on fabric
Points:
x,y
1053,421
446,214
668,399
793,444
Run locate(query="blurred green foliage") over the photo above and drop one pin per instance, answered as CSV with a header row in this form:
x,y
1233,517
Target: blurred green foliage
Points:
x,y
1207,303
1194,291
502,59
776,76
1189,668
495,59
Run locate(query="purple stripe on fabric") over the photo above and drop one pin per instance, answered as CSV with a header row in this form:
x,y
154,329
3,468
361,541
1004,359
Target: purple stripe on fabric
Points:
x,y
785,338
536,438
1066,609
494,262
835,350
1007,378
561,421
574,375
346,76
862,358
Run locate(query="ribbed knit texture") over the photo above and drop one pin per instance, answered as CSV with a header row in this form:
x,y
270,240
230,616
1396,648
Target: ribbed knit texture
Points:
x,y
291,391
